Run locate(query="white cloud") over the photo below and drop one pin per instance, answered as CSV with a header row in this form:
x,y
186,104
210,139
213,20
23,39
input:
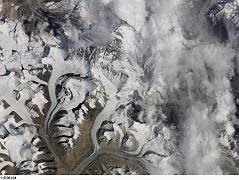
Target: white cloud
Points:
x,y
192,61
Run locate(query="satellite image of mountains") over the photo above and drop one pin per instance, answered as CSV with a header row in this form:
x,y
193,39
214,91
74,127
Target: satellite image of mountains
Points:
x,y
119,87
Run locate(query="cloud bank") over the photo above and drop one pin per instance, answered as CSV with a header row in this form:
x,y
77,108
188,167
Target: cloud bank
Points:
x,y
196,68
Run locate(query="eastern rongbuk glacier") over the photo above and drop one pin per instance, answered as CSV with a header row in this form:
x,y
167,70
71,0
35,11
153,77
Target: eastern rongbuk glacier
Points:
x,y
119,87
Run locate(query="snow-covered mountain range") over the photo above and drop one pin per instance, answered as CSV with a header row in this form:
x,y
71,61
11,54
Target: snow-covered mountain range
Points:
x,y
119,87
